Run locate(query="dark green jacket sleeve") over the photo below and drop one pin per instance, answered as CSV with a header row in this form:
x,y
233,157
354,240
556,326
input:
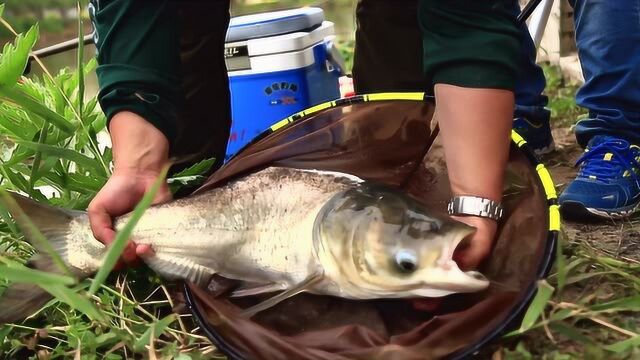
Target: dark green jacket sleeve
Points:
x,y
470,43
164,60
138,52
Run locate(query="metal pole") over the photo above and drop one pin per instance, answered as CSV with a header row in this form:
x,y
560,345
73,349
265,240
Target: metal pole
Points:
x,y
57,49
539,20
61,47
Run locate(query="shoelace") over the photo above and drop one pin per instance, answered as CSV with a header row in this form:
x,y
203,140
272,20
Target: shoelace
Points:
x,y
610,169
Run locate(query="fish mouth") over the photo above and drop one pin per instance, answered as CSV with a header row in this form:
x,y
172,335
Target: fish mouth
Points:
x,y
434,282
442,281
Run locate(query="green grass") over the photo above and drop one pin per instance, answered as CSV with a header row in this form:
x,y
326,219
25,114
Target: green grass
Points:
x,y
49,139
561,94
587,308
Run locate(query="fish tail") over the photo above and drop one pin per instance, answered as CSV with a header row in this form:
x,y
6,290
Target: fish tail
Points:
x,y
21,300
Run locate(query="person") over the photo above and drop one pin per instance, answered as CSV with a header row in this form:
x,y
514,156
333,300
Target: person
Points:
x,y
607,184
388,58
164,90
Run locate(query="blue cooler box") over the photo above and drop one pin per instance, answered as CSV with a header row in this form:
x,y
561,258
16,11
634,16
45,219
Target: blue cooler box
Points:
x,y
279,63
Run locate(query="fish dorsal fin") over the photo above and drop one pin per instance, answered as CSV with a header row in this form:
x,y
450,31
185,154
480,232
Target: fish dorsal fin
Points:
x,y
174,268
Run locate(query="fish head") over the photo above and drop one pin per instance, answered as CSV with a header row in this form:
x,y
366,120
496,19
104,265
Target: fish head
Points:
x,y
387,244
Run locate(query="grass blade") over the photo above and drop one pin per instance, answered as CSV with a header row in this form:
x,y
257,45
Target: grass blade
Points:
x,y
75,300
570,332
13,123
631,303
23,274
16,179
4,331
120,242
152,332
582,277
80,63
64,153
38,158
624,345
15,96
537,306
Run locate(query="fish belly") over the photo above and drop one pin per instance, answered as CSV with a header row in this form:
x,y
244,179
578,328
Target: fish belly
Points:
x,y
259,229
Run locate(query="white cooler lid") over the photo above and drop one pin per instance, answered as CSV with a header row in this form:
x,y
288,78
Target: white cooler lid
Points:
x,y
255,26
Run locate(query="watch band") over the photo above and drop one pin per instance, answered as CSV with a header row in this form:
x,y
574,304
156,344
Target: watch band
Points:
x,y
476,206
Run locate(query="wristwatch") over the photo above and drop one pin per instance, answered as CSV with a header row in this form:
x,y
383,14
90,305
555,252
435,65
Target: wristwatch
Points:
x,y
476,206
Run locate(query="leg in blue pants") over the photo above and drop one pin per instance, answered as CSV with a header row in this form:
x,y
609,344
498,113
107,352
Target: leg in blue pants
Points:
x,y
531,117
608,39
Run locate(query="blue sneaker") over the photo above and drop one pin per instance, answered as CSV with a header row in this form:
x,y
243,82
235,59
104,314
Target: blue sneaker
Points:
x,y
537,135
608,182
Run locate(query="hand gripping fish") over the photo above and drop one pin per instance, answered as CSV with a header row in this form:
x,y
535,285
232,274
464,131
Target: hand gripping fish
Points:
x,y
278,230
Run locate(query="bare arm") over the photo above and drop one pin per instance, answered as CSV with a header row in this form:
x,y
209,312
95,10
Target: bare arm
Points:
x,y
475,125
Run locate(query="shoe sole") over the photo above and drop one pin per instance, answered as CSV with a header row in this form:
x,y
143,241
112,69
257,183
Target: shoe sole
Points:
x,y
573,210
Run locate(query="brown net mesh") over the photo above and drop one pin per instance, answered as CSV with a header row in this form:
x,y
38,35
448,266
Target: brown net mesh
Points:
x,y
388,142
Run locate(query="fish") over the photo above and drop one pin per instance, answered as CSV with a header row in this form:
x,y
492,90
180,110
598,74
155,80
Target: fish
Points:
x,y
279,230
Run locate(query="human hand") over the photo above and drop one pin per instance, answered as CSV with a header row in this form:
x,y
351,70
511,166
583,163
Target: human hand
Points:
x,y
140,152
474,249
477,246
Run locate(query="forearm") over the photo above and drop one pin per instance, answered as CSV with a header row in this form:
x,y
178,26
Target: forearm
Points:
x,y
138,146
475,127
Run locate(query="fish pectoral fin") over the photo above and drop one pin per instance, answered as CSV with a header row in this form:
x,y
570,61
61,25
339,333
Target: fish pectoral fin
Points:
x,y
172,268
257,289
276,299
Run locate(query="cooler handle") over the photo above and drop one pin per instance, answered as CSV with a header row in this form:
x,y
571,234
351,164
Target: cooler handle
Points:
x,y
335,62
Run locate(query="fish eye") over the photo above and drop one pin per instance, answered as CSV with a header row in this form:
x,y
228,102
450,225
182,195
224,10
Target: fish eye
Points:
x,y
407,261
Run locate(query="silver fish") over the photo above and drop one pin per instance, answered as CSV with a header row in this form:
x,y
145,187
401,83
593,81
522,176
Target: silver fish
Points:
x,y
279,229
